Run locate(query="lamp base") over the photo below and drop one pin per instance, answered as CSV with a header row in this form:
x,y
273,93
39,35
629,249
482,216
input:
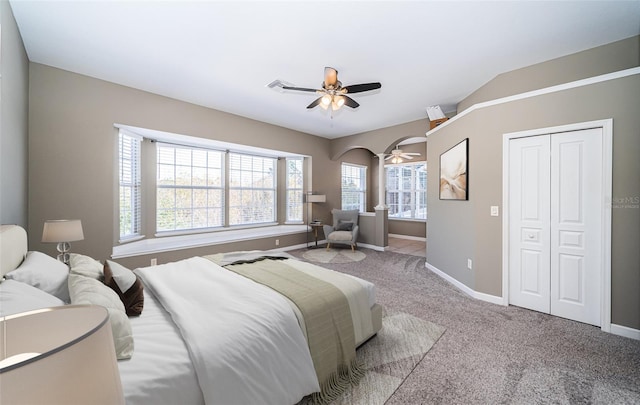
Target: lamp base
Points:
x,y
63,249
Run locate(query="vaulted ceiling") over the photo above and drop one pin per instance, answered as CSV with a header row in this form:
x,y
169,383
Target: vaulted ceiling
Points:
x,y
222,54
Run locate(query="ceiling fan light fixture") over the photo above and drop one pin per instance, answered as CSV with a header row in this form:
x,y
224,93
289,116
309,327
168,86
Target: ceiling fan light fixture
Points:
x,y
396,160
332,94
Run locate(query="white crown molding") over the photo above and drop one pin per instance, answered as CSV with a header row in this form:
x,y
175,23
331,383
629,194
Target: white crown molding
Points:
x,y
535,93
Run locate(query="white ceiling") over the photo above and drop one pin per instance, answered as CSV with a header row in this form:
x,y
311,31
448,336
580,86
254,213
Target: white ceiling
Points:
x,y
222,54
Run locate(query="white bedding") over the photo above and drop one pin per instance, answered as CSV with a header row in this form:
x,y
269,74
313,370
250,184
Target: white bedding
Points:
x,y
265,361
160,371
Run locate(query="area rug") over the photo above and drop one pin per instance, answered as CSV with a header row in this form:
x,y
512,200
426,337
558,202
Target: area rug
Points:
x,y
333,255
389,358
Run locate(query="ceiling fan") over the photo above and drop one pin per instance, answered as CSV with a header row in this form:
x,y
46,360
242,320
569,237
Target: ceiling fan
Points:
x,y
333,95
397,155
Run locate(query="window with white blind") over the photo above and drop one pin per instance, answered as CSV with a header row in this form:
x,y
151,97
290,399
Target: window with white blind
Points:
x,y
129,185
252,189
407,190
294,193
190,188
354,190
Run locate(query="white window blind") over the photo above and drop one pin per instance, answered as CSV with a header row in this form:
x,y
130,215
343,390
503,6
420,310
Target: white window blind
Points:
x,y
129,185
252,189
294,192
190,188
354,190
407,190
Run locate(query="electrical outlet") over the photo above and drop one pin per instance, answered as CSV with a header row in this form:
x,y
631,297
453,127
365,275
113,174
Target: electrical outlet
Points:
x,y
469,264
154,261
277,242
495,211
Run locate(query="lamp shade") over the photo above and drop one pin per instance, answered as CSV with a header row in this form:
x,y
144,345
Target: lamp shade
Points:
x,y
62,230
62,355
316,198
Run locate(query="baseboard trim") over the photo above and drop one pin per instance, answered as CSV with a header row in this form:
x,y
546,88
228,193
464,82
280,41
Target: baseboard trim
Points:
x,y
619,330
409,237
625,331
465,289
372,247
292,247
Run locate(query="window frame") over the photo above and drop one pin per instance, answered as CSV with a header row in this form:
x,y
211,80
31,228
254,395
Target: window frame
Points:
x,y
194,188
231,188
134,186
299,188
147,162
412,191
360,190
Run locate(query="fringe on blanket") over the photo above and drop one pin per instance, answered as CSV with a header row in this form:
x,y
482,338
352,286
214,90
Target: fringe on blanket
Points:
x,y
339,382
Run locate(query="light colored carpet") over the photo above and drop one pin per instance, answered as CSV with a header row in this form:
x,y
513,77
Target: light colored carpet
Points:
x,y
333,255
491,354
389,358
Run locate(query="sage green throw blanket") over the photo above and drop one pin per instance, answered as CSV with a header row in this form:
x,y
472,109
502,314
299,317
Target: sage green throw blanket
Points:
x,y
327,318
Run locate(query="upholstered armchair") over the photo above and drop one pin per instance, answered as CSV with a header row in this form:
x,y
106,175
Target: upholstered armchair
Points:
x,y
344,230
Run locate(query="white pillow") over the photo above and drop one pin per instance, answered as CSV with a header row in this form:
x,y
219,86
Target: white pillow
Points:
x,y
122,275
43,272
16,297
85,266
88,291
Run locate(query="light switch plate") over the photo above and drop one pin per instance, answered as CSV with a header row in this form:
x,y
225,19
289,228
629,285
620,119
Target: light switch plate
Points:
x,y
495,211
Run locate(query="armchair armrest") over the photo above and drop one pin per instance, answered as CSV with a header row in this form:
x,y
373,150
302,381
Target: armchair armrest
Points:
x,y
327,230
354,233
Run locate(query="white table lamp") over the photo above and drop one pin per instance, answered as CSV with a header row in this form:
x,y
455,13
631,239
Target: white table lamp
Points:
x,y
62,231
62,355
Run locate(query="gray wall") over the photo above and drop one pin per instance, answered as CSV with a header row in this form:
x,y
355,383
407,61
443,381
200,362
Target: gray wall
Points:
x,y
464,229
380,140
72,147
597,61
408,228
13,143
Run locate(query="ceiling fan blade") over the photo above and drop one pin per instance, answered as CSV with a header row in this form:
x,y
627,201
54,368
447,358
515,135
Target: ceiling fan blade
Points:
x,y
315,102
388,157
300,89
330,76
348,101
359,88
405,156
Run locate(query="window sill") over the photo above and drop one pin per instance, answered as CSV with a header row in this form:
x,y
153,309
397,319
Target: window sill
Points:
x,y
408,219
180,242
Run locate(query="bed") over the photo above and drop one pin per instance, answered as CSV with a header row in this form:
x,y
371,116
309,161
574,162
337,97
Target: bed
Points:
x,y
210,331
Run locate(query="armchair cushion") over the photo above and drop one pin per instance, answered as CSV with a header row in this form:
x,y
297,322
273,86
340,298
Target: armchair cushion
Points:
x,y
344,226
341,236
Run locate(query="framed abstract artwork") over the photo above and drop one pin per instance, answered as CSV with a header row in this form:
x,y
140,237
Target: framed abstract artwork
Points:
x,y
454,172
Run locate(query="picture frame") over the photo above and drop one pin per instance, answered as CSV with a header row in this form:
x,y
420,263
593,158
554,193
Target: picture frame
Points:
x,y
454,172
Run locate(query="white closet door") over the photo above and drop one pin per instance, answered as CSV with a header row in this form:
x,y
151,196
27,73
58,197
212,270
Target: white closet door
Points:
x,y
555,224
576,223
529,228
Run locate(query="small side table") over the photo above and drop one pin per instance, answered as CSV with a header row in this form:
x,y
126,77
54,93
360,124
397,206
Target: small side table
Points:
x,y
315,226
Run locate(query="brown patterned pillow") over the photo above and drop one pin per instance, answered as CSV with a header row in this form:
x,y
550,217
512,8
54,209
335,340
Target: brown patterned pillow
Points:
x,y
126,285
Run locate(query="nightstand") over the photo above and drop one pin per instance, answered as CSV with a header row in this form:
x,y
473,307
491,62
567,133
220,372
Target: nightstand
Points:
x,y
315,226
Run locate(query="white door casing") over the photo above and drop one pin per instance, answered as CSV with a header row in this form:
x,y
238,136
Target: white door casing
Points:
x,y
580,233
